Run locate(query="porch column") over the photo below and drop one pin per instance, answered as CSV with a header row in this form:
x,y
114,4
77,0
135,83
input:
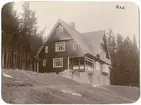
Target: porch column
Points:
x,y
68,62
37,67
84,63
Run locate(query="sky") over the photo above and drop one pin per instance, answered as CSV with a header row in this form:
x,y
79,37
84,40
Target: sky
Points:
x,y
88,16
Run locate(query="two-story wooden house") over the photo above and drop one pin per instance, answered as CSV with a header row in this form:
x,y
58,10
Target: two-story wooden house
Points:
x,y
85,54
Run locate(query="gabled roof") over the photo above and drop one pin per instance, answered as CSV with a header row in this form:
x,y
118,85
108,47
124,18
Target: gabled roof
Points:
x,y
93,40
89,42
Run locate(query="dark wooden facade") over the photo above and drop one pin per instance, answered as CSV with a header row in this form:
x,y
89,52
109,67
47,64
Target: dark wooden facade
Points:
x,y
68,53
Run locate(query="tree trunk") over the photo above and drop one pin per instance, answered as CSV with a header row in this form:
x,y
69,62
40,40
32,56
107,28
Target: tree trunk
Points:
x,y
26,59
3,54
12,58
18,49
4,59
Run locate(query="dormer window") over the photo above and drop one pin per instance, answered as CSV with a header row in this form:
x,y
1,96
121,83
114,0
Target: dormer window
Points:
x,y
59,29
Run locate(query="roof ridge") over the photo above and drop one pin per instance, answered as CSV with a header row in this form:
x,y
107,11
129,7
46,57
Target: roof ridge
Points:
x,y
93,31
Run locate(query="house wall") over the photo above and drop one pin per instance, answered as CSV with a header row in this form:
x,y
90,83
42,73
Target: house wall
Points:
x,y
97,77
105,79
84,77
69,52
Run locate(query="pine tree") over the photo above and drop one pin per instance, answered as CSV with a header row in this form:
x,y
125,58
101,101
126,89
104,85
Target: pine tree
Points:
x,y
112,49
30,35
135,63
124,58
127,60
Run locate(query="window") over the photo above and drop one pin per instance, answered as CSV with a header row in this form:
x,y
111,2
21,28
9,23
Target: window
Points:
x,y
59,29
76,64
59,46
74,46
46,49
89,66
44,62
57,62
81,64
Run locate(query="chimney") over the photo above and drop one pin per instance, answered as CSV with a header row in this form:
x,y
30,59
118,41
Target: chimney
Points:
x,y
72,24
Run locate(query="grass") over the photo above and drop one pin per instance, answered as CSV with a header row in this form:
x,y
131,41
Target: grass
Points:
x,y
27,87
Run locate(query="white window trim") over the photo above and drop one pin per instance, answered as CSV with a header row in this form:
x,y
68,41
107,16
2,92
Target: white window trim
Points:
x,y
44,62
74,46
46,49
57,50
54,66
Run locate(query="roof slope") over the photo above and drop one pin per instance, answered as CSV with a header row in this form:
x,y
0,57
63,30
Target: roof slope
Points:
x,y
77,36
93,40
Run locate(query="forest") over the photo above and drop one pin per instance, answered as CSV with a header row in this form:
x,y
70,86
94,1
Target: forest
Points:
x,y
21,40
124,54
20,37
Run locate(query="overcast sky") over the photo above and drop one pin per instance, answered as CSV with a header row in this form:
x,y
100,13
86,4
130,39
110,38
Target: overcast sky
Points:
x,y
89,16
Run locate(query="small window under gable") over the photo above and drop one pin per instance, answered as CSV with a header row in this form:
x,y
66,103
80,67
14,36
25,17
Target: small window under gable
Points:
x,y
74,46
59,29
59,46
46,49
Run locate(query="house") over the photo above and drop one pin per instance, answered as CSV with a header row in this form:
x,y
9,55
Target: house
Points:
x,y
85,55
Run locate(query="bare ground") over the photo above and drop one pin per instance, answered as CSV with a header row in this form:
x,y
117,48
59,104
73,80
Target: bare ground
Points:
x,y
26,87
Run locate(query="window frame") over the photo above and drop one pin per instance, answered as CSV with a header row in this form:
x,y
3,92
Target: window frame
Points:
x,y
59,29
74,46
46,49
44,62
57,47
78,64
54,66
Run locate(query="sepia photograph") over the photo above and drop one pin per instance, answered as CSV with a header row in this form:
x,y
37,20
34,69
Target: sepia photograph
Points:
x,y
70,52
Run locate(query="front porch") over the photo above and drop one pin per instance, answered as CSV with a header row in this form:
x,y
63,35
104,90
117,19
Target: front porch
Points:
x,y
81,64
84,70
